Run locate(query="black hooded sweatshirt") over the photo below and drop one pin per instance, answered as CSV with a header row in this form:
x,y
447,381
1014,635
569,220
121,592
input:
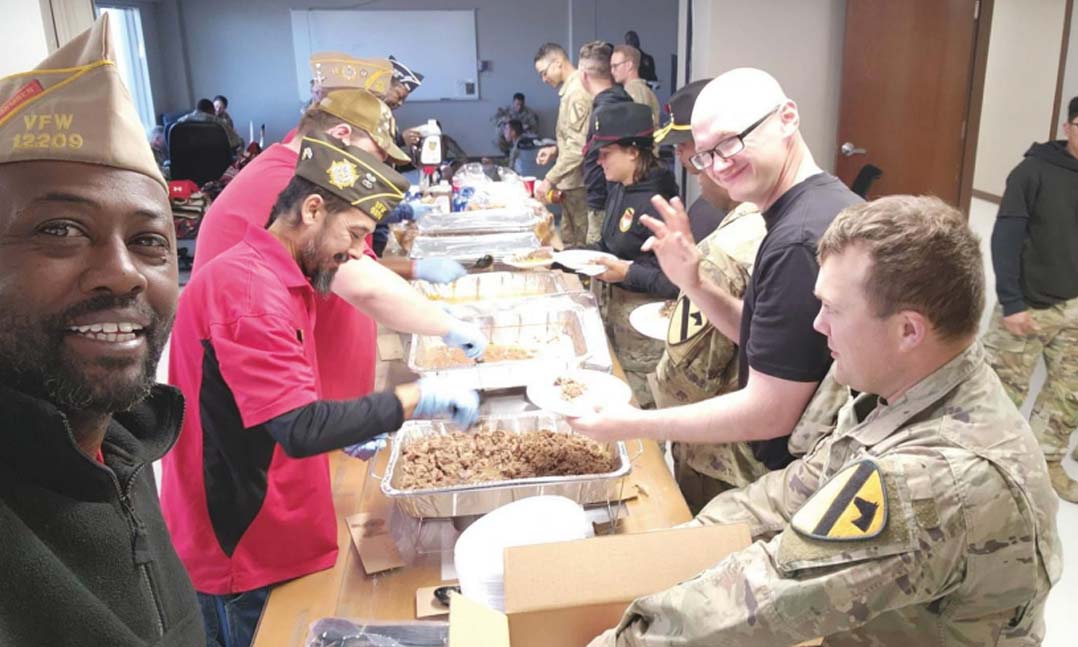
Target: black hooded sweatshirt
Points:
x,y
1035,238
623,233
86,557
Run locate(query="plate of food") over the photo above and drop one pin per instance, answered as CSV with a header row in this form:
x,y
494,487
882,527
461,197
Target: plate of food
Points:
x,y
583,261
579,392
542,257
652,319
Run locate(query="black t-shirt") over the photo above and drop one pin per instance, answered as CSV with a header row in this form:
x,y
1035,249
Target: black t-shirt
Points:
x,y
777,337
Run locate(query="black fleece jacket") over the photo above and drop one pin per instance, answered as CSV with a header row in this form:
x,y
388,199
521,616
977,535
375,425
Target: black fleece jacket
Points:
x,y
623,233
1035,238
86,557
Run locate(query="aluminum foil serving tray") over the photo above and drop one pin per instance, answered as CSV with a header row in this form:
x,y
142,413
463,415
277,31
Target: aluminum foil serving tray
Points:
x,y
468,249
564,332
501,286
465,500
500,220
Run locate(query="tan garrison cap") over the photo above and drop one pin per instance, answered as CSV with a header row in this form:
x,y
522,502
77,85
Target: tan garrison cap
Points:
x,y
351,174
340,70
74,107
367,112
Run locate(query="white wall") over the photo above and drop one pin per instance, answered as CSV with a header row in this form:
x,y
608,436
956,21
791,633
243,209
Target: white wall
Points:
x,y
22,36
799,43
1019,86
1070,75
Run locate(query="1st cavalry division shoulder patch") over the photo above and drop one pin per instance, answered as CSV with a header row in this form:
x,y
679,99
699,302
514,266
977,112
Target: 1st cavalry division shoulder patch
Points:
x,y
686,323
851,506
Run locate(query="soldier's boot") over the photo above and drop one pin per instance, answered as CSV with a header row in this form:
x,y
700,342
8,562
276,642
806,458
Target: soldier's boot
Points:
x,y
1064,485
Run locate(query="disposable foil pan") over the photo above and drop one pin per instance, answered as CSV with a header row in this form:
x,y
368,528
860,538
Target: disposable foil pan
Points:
x,y
467,249
504,219
465,500
565,332
501,286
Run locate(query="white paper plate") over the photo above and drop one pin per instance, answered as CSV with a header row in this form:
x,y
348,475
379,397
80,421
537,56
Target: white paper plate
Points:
x,y
649,321
583,260
517,261
602,389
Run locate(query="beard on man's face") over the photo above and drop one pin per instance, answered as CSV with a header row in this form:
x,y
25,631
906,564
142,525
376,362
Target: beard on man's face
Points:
x,y
318,266
34,359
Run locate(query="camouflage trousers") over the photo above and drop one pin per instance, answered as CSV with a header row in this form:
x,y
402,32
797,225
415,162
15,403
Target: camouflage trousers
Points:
x,y
1055,413
637,354
574,217
595,225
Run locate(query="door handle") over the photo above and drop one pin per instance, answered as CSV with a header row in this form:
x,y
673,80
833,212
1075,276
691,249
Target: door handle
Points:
x,y
849,150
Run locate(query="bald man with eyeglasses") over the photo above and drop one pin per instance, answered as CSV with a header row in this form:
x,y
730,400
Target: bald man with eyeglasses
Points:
x,y
746,132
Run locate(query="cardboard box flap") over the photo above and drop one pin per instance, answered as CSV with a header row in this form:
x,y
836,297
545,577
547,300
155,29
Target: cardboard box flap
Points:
x,y
472,624
617,568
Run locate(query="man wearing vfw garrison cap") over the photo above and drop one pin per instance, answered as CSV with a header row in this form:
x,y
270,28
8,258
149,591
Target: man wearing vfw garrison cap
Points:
x,y
364,292
246,490
337,71
87,296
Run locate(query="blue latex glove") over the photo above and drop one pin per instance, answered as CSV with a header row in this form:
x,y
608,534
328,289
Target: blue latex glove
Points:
x,y
364,451
439,398
439,270
467,337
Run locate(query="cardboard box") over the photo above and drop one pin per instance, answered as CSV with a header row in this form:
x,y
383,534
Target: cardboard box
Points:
x,y
567,593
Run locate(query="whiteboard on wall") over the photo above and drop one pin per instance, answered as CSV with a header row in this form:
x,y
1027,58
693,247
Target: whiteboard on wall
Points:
x,y
441,45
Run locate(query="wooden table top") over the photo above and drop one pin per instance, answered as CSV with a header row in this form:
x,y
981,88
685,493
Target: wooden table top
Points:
x,y
347,591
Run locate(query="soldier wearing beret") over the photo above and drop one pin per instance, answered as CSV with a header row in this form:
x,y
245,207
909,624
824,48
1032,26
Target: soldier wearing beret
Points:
x,y
246,491
87,296
927,516
626,152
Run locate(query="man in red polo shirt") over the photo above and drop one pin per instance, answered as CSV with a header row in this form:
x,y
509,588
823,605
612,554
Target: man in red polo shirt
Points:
x,y
246,490
347,354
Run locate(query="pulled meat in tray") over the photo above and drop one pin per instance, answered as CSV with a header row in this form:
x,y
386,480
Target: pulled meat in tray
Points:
x,y
485,456
446,357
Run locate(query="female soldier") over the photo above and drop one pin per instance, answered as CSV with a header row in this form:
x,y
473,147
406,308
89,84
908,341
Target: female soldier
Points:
x,y
623,136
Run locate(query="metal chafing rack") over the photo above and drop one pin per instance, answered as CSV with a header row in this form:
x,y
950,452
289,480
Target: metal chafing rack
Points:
x,y
480,498
562,332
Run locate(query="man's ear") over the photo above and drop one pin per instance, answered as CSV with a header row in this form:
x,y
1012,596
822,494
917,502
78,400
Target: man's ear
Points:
x,y
342,132
914,329
789,118
312,209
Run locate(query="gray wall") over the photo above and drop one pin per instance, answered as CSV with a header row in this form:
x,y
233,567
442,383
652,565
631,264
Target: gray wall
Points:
x,y
244,50
799,43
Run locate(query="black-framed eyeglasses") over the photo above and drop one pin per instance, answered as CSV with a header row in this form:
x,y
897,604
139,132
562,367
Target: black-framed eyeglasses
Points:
x,y
730,146
543,72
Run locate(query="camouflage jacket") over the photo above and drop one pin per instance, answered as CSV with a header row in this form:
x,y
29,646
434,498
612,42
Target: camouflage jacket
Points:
x,y
954,544
640,92
571,130
699,362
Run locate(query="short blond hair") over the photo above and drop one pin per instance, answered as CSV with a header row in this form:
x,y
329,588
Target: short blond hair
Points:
x,y
924,258
630,53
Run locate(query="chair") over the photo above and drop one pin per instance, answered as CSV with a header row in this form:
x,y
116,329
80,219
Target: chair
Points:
x,y
865,179
198,151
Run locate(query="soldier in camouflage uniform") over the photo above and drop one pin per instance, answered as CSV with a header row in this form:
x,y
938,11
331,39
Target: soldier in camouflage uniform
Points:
x,y
927,516
699,362
1035,256
567,174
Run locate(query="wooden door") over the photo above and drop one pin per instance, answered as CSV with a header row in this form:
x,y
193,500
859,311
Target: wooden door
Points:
x,y
910,102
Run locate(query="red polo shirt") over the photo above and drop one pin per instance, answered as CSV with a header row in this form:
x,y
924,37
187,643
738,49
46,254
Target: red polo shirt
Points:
x,y
242,513
348,338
